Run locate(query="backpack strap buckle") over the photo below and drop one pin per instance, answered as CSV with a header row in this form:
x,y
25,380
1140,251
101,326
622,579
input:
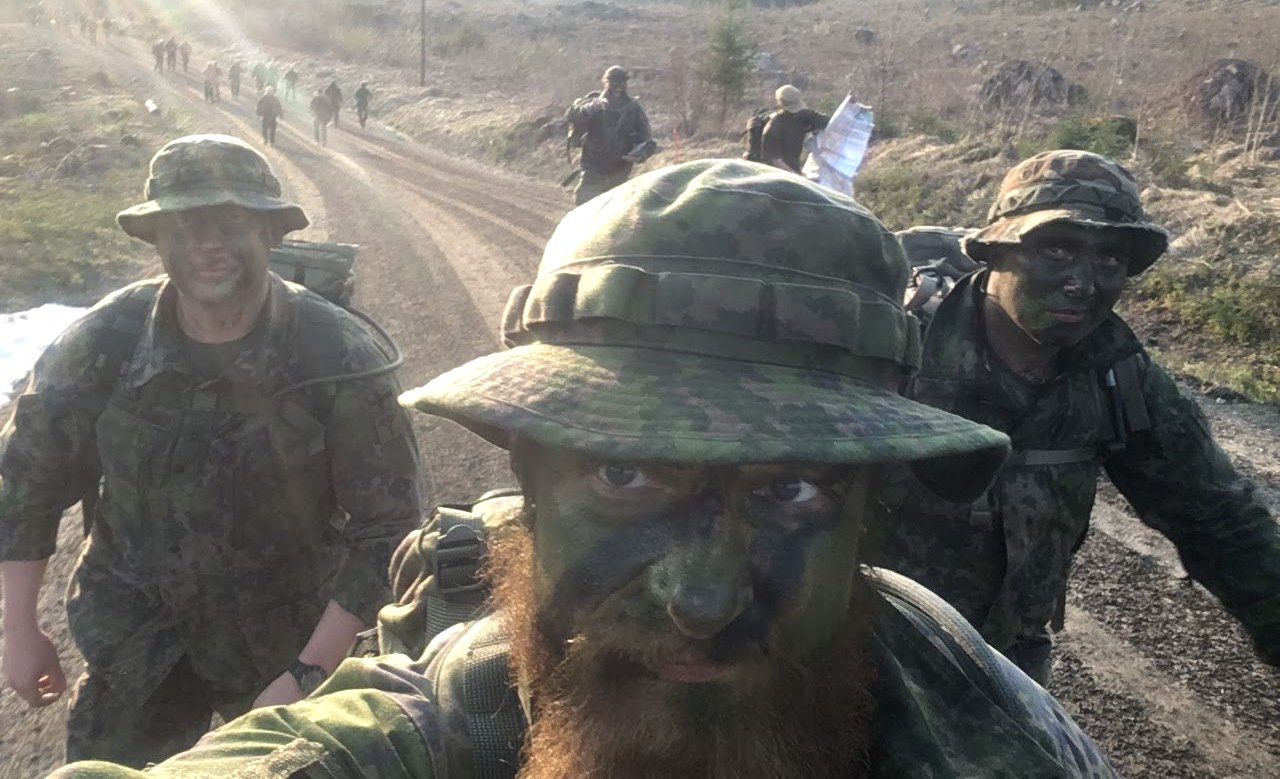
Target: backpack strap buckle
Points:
x,y
458,554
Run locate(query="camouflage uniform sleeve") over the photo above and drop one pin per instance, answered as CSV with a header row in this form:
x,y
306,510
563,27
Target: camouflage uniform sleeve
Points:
x,y
1181,483
372,720
49,459
375,469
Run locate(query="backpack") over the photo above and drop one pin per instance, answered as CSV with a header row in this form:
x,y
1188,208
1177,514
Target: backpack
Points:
x,y
439,613
326,269
937,259
755,135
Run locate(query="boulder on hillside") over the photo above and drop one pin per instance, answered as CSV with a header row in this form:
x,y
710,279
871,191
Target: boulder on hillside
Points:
x,y
1019,83
1229,89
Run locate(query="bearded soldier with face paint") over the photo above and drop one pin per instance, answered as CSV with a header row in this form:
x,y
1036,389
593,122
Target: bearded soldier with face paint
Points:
x,y
256,474
698,400
1030,346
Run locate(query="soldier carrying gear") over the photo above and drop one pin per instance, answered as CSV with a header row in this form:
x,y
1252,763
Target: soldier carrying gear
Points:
x,y
321,114
1030,345
334,93
271,111
698,400
252,488
782,137
613,132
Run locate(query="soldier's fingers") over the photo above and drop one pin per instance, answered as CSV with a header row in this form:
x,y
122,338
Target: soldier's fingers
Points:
x,y
28,692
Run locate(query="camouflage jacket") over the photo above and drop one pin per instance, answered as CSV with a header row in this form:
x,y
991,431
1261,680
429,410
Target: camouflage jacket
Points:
x,y
609,134
1003,561
431,717
230,514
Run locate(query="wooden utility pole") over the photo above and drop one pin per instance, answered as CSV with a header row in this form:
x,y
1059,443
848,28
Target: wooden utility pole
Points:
x,y
422,40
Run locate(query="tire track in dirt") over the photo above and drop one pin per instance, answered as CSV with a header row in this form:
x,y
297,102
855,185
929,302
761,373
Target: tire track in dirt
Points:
x,y
443,241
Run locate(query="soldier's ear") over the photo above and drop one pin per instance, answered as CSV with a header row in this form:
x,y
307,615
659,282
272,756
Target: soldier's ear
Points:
x,y
275,227
522,456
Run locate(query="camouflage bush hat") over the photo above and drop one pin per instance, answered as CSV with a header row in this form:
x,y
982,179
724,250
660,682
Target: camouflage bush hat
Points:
x,y
718,311
1070,186
208,170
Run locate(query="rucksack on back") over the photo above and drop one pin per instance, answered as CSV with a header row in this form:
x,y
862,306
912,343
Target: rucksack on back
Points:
x,y
435,574
755,135
327,269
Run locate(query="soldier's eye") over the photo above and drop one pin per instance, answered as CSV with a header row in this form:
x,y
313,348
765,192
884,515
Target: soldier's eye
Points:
x,y
789,489
1111,261
1056,253
622,476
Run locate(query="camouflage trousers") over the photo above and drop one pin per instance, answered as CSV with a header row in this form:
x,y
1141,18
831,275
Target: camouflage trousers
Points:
x,y
103,725
594,183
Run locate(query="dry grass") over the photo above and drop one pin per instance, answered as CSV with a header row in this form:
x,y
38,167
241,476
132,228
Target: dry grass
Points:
x,y
501,73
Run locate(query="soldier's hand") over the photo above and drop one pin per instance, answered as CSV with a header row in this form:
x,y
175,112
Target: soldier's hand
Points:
x,y
31,667
284,690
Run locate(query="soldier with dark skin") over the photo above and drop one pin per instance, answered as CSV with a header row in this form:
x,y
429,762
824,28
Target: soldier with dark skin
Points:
x,y
246,514
614,135
1031,345
271,111
697,441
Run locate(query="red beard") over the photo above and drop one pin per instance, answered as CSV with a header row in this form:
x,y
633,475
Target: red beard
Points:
x,y
599,711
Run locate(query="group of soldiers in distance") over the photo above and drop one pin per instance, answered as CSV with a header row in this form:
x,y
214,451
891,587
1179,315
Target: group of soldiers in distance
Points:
x,y
325,104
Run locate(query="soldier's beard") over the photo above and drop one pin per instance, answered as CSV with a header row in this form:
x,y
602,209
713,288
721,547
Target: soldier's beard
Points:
x,y
598,713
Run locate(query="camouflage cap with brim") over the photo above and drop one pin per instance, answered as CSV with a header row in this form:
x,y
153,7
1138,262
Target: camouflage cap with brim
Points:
x,y
714,312
1074,187
199,171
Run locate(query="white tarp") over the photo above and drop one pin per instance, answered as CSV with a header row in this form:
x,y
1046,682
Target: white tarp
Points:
x,y
24,335
838,150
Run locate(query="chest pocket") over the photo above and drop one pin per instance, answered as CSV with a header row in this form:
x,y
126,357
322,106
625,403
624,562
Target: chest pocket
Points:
x,y
131,450
282,491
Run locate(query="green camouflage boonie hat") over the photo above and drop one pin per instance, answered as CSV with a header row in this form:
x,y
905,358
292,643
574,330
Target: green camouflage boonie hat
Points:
x,y
718,312
1078,187
208,170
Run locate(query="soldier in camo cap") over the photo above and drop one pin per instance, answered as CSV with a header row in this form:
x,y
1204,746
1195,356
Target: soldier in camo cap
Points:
x,y
698,400
247,511
1031,346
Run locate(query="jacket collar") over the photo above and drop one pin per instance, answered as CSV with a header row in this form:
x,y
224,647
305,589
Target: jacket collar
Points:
x,y
955,347
260,362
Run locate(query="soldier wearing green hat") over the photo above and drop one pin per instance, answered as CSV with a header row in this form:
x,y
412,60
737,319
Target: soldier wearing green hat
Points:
x,y
1031,346
613,131
244,467
698,401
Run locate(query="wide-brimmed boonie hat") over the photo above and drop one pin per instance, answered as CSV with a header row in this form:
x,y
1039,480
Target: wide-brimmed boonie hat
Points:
x,y
715,312
208,170
789,98
1076,187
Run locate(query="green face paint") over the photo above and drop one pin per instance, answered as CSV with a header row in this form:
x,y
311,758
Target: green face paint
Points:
x,y
1062,281
689,575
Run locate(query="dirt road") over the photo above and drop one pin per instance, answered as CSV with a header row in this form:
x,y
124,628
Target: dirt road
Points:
x,y
1149,664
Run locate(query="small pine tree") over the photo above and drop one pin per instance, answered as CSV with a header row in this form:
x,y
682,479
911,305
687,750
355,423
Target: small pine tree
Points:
x,y
727,62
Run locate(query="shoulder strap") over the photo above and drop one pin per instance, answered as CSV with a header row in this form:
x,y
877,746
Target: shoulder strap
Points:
x,y
472,684
117,342
964,645
115,347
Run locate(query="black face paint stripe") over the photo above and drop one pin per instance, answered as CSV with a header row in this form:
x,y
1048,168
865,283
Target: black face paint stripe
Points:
x,y
609,565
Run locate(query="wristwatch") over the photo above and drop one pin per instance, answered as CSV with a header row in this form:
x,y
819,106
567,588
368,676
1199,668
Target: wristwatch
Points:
x,y
308,676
